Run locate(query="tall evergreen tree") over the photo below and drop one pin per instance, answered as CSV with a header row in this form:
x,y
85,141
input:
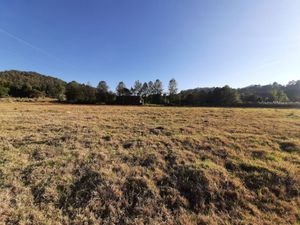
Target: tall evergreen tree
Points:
x,y
157,87
121,89
136,90
150,88
144,90
172,87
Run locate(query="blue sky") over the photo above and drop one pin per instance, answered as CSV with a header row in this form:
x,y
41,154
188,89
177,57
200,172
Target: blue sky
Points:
x,y
197,42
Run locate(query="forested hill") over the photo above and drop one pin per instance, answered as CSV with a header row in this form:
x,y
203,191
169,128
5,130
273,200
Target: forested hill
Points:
x,y
290,92
33,85
30,84
251,94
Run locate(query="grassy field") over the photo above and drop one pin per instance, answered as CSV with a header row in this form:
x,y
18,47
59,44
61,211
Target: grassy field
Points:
x,y
72,164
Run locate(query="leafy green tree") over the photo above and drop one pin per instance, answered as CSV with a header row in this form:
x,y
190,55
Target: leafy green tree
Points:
x,y
278,95
122,89
224,96
80,93
73,92
293,91
102,87
230,95
102,92
26,90
89,94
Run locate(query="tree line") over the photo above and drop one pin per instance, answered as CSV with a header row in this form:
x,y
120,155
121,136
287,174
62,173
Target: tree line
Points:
x,y
140,93
34,85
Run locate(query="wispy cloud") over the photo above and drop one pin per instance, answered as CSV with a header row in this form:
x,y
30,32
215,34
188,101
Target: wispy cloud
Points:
x,y
28,44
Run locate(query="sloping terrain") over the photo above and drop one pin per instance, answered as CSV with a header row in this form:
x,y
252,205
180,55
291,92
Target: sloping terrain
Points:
x,y
28,84
74,164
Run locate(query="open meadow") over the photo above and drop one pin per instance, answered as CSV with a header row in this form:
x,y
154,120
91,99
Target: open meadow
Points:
x,y
89,164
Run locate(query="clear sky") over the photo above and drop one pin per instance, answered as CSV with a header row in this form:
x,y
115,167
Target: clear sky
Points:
x,y
197,42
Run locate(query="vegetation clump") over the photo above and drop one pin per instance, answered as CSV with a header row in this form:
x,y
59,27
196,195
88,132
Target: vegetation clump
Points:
x,y
289,147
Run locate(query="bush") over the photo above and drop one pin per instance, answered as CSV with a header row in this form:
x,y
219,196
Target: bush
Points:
x,y
3,91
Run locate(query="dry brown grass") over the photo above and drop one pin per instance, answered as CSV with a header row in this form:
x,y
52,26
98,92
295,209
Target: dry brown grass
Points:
x,y
72,164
